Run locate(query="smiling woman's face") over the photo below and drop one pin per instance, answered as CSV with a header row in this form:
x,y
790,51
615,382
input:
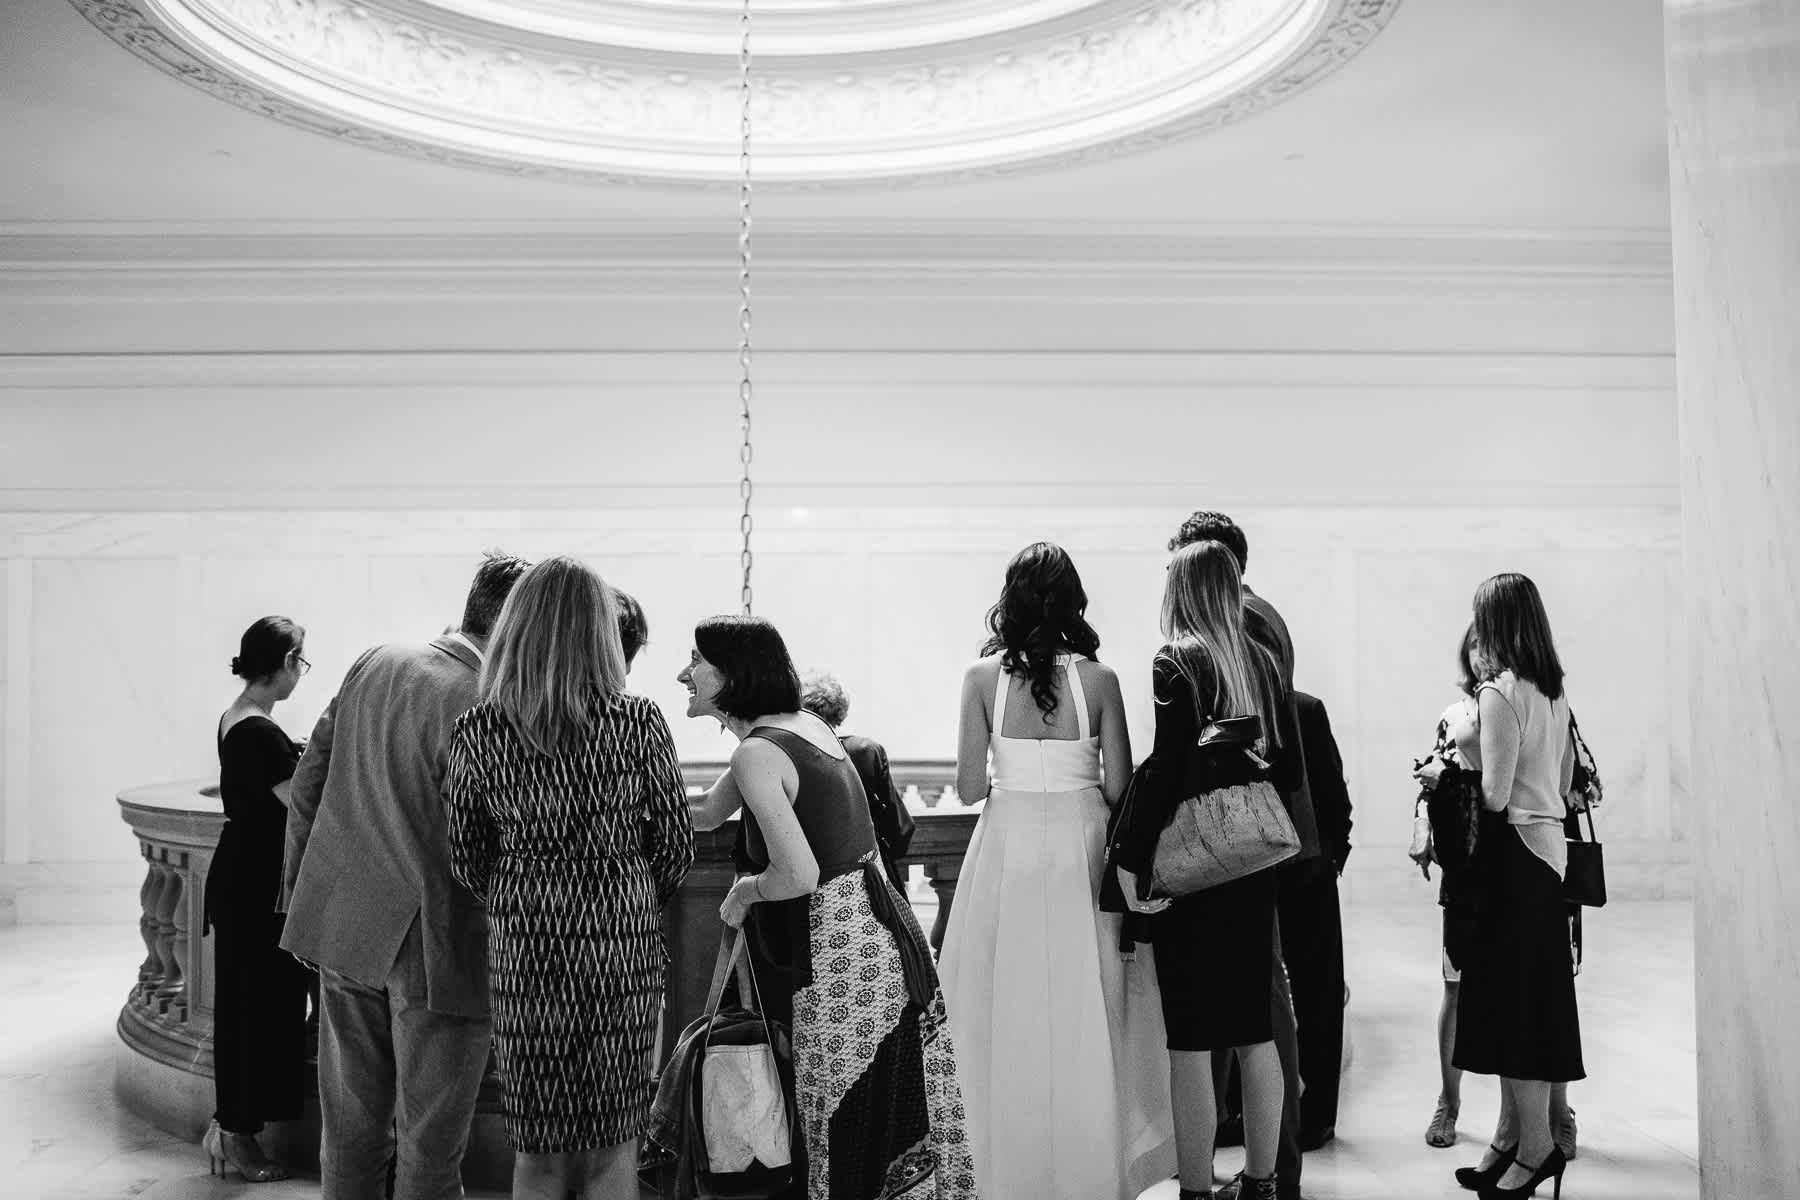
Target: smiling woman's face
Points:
x,y
703,682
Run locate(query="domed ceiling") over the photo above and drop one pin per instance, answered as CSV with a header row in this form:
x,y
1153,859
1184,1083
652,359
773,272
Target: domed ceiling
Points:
x,y
843,91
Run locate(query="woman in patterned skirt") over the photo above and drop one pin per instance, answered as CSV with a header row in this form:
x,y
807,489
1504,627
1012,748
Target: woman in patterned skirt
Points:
x,y
880,1111
569,819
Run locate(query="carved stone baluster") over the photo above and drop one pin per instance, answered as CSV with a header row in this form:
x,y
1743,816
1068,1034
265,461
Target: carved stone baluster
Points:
x,y
175,991
167,900
150,973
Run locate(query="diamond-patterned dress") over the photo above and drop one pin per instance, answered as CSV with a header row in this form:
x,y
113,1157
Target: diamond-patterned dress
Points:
x,y
575,855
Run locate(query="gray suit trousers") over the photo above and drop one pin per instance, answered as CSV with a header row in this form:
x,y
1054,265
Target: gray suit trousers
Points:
x,y
396,1082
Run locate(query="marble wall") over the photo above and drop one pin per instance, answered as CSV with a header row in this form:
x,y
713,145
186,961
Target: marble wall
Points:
x,y
1734,142
203,431
119,624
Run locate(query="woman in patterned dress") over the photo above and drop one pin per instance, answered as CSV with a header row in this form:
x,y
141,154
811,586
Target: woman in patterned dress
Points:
x,y
569,819
880,1112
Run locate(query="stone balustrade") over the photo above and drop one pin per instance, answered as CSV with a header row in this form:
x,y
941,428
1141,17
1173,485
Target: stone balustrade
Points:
x,y
165,1027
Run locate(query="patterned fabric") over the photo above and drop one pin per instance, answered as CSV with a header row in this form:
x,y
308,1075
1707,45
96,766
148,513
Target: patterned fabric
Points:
x,y
574,855
880,1109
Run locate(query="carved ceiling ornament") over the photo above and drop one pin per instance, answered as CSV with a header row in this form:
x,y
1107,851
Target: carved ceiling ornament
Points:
x,y
434,79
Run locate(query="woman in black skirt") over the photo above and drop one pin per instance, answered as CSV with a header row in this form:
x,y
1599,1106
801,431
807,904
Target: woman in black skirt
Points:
x,y
259,990
1214,948
1516,1013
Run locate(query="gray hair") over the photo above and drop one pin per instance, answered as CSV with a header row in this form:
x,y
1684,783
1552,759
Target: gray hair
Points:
x,y
823,696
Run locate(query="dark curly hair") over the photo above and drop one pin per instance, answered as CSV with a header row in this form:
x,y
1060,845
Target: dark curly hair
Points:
x,y
1205,526
1042,612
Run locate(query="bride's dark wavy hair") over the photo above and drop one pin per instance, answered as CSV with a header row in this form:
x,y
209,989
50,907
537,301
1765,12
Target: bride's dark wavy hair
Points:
x,y
1042,612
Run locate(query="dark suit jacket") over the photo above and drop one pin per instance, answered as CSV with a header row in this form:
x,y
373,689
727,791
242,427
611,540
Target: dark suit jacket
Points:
x,y
1325,775
1265,625
368,846
894,826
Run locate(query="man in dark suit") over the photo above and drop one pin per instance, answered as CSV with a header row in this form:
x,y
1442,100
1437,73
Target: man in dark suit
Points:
x,y
1264,623
401,947
1312,929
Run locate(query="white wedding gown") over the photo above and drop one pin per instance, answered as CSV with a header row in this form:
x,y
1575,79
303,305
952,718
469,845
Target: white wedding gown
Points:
x,y
1060,1047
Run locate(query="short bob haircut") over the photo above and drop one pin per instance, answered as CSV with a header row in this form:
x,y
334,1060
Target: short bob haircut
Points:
x,y
823,696
1513,631
760,679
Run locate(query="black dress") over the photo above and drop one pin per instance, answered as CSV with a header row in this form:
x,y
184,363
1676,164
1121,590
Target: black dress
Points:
x,y
259,990
1215,950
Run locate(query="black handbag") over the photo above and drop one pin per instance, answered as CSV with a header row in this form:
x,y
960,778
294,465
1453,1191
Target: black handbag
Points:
x,y
1584,881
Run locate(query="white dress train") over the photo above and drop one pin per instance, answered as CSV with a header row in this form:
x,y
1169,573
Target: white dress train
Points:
x,y
1060,1047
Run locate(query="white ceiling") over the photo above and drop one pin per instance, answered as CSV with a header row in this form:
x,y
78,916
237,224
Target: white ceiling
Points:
x,y
1472,115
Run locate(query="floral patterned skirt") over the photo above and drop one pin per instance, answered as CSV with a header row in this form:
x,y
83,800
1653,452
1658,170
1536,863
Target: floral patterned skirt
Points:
x,y
874,1068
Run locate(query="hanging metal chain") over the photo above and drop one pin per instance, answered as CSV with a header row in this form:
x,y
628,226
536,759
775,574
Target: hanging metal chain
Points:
x,y
745,388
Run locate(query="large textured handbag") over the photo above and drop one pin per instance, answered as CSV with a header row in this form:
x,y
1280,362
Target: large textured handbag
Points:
x,y
1584,880
1234,825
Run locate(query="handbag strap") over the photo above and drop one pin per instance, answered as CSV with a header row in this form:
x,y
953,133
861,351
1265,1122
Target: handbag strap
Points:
x,y
731,952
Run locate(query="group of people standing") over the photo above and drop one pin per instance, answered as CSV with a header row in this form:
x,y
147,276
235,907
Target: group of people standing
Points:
x,y
475,846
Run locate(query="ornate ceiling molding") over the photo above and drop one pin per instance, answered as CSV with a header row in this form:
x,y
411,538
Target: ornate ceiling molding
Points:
x,y
614,91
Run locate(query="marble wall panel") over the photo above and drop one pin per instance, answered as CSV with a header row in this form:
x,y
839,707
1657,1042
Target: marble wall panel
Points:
x,y
105,707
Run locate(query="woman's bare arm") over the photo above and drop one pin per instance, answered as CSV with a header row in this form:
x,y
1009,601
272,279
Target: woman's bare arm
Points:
x,y
972,737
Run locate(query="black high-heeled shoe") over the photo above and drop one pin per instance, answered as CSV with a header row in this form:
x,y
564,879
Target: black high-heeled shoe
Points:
x,y
1551,1168
1477,1178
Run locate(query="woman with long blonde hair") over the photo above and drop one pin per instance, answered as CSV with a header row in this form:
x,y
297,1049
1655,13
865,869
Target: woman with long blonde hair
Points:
x,y
1214,948
568,818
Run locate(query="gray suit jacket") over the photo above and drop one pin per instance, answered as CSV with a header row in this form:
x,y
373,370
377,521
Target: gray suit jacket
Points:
x,y
368,847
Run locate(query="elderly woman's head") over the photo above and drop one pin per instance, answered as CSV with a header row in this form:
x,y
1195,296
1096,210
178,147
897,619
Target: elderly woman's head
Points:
x,y
822,695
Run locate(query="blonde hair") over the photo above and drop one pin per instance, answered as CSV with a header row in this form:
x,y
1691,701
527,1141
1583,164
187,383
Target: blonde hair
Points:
x,y
1203,620
554,662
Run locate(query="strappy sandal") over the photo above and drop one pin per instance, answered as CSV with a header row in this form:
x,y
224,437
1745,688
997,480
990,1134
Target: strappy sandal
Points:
x,y
1441,1133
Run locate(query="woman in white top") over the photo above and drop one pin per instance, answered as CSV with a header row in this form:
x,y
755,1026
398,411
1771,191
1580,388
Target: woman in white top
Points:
x,y
1516,1015
1059,1038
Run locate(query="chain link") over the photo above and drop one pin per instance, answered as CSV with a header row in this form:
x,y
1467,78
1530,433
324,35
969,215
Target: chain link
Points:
x,y
745,386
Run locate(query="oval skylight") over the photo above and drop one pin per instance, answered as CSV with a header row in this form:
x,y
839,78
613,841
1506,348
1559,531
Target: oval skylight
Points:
x,y
844,91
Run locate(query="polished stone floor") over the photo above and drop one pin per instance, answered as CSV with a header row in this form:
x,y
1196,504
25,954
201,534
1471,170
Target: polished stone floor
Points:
x,y
64,1137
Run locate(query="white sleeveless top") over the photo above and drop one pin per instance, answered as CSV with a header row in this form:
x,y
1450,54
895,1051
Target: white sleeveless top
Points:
x,y
1045,764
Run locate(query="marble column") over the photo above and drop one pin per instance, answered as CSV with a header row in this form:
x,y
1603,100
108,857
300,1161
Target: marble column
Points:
x,y
1733,70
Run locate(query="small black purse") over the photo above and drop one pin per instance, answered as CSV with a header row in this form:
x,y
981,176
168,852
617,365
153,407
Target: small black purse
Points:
x,y
1584,882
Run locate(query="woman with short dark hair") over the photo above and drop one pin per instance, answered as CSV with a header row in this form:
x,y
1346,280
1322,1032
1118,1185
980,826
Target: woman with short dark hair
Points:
x,y
875,1074
259,990
1516,1015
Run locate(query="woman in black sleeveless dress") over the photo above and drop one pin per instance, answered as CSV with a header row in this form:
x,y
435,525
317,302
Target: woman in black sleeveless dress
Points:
x,y
259,990
875,1073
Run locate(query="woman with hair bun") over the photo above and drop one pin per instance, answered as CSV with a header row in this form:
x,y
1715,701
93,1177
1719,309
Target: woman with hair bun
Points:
x,y
1041,1000
259,990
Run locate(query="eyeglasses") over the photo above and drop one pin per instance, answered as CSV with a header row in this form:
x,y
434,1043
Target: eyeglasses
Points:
x,y
304,665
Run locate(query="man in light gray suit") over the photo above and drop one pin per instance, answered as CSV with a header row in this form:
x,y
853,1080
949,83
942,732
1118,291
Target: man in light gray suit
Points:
x,y
401,947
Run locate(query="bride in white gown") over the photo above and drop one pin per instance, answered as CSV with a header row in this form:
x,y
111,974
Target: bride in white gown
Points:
x,y
1059,1039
